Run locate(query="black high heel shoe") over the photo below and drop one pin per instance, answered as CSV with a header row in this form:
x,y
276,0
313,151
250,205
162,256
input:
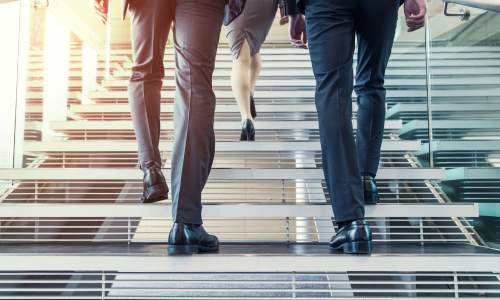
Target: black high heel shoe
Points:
x,y
247,131
252,107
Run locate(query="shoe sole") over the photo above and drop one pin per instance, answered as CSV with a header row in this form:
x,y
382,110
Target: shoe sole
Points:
x,y
355,248
188,249
371,199
155,193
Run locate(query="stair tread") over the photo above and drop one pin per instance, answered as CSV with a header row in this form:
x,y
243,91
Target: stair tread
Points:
x,y
262,258
221,125
131,146
215,174
241,210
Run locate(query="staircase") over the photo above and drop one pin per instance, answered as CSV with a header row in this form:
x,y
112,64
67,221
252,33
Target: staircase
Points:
x,y
72,226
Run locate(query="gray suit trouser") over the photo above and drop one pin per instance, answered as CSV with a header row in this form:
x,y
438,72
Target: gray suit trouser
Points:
x,y
196,36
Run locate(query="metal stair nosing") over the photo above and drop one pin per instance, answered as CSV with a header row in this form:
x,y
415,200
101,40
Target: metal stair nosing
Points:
x,y
254,210
215,174
472,174
263,125
269,48
309,94
392,64
459,145
280,83
265,73
221,108
300,55
399,108
449,124
124,146
39,95
242,258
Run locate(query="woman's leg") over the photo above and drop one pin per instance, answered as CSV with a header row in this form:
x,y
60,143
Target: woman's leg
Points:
x,y
240,81
255,66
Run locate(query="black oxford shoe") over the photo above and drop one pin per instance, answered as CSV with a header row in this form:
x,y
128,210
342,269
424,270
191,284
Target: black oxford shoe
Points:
x,y
370,190
247,131
353,238
154,186
190,239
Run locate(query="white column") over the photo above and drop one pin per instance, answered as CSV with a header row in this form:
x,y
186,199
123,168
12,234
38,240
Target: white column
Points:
x,y
55,88
9,41
89,72
13,59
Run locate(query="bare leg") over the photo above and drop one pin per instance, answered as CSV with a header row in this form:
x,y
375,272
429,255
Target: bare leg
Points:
x,y
240,81
255,66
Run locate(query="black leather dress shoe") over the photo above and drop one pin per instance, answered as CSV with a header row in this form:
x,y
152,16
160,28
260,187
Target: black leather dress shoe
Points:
x,y
189,239
154,186
253,111
247,131
353,238
370,189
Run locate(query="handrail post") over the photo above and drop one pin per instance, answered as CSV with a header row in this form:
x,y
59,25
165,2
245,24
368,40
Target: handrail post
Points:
x,y
428,85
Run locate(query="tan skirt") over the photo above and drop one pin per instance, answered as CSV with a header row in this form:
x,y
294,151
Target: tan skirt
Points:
x,y
253,25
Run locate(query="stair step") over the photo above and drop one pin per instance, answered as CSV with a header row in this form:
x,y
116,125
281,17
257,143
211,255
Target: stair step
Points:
x,y
306,63
282,210
215,174
270,47
228,108
72,96
301,56
118,146
473,174
466,110
262,125
265,73
295,83
460,145
309,94
247,258
79,66
452,125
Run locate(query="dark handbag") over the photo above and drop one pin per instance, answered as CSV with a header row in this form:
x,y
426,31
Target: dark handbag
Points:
x,y
232,10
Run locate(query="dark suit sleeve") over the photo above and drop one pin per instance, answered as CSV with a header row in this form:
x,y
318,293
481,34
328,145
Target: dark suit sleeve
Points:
x,y
291,7
125,8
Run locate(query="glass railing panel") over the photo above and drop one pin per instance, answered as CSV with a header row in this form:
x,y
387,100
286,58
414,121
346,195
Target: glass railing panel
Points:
x,y
9,57
67,60
10,17
465,103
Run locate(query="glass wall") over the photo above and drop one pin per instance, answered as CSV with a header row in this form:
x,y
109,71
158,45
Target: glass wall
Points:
x,y
464,72
68,58
10,17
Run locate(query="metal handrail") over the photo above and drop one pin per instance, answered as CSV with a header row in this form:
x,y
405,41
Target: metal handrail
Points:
x,y
490,5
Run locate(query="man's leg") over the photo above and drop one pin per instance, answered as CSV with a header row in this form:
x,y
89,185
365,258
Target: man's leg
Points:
x,y
150,25
196,36
375,27
330,30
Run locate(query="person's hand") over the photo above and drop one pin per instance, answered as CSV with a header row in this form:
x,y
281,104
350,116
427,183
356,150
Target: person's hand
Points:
x,y
415,11
100,10
36,3
284,19
297,31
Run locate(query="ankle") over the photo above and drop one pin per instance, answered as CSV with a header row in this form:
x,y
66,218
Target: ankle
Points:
x,y
149,164
367,174
345,223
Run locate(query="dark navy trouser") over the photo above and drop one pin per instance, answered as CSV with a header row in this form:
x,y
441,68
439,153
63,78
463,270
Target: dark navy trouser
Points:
x,y
331,29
